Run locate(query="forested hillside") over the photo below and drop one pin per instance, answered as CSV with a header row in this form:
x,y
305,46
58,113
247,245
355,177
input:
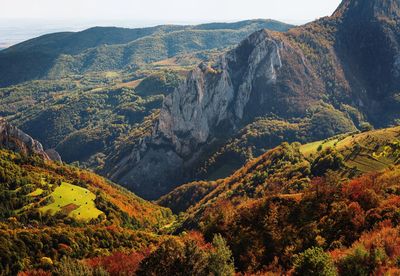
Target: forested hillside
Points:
x,y
332,195
109,48
49,210
334,75
265,149
84,113
329,205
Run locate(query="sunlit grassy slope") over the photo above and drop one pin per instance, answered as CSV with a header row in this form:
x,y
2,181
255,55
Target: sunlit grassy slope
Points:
x,y
74,201
369,151
40,191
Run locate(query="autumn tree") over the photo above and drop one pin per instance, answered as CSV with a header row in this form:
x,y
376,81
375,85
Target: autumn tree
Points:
x,y
329,159
174,257
314,262
221,260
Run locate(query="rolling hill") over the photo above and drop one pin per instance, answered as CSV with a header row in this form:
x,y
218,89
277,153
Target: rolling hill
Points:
x,y
288,169
109,48
49,209
325,194
89,105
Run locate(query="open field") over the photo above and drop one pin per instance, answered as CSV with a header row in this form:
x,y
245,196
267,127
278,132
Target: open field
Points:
x,y
311,148
74,201
362,151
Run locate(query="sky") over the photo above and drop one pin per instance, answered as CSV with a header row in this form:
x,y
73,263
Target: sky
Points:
x,y
24,19
167,10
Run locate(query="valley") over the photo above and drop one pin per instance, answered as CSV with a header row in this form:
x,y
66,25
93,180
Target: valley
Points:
x,y
245,148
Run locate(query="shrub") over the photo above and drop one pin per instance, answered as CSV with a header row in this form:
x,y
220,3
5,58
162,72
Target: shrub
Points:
x,y
69,266
221,260
356,263
329,159
314,261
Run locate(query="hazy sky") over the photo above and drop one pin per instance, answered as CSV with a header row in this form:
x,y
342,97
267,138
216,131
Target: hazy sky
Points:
x,y
168,10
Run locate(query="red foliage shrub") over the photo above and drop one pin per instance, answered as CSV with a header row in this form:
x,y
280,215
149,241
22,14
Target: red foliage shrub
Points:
x,y
364,190
385,237
39,272
388,210
119,263
358,219
376,252
198,238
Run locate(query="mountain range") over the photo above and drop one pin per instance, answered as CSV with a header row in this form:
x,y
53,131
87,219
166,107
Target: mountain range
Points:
x,y
217,149
87,113
110,48
339,73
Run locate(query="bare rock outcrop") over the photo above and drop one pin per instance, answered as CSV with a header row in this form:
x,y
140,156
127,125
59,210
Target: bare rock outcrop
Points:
x,y
349,59
211,103
15,139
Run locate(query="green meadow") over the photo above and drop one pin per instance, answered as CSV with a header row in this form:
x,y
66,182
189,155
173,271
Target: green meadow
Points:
x,y
74,201
368,151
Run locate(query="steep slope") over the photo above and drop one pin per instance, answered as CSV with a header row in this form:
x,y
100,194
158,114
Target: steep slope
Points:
x,y
368,43
33,180
35,189
102,49
351,221
14,139
325,194
288,169
50,211
281,74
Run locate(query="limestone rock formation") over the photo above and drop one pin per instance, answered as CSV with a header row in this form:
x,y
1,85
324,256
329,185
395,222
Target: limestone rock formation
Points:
x,y
14,139
351,58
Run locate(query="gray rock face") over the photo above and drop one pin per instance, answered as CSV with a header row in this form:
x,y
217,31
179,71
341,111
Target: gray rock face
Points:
x,y
210,101
53,155
283,74
208,97
14,139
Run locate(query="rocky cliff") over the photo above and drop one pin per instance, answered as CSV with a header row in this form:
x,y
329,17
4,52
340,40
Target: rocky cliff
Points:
x,y
14,139
350,59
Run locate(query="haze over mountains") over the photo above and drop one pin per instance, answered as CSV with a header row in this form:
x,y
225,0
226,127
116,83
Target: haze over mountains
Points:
x,y
60,54
253,147
17,30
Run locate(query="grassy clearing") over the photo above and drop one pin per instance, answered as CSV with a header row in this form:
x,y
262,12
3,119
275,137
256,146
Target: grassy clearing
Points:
x,y
362,151
111,74
312,148
74,201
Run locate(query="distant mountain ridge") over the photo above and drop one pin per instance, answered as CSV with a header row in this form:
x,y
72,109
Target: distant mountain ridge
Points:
x,y
96,49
